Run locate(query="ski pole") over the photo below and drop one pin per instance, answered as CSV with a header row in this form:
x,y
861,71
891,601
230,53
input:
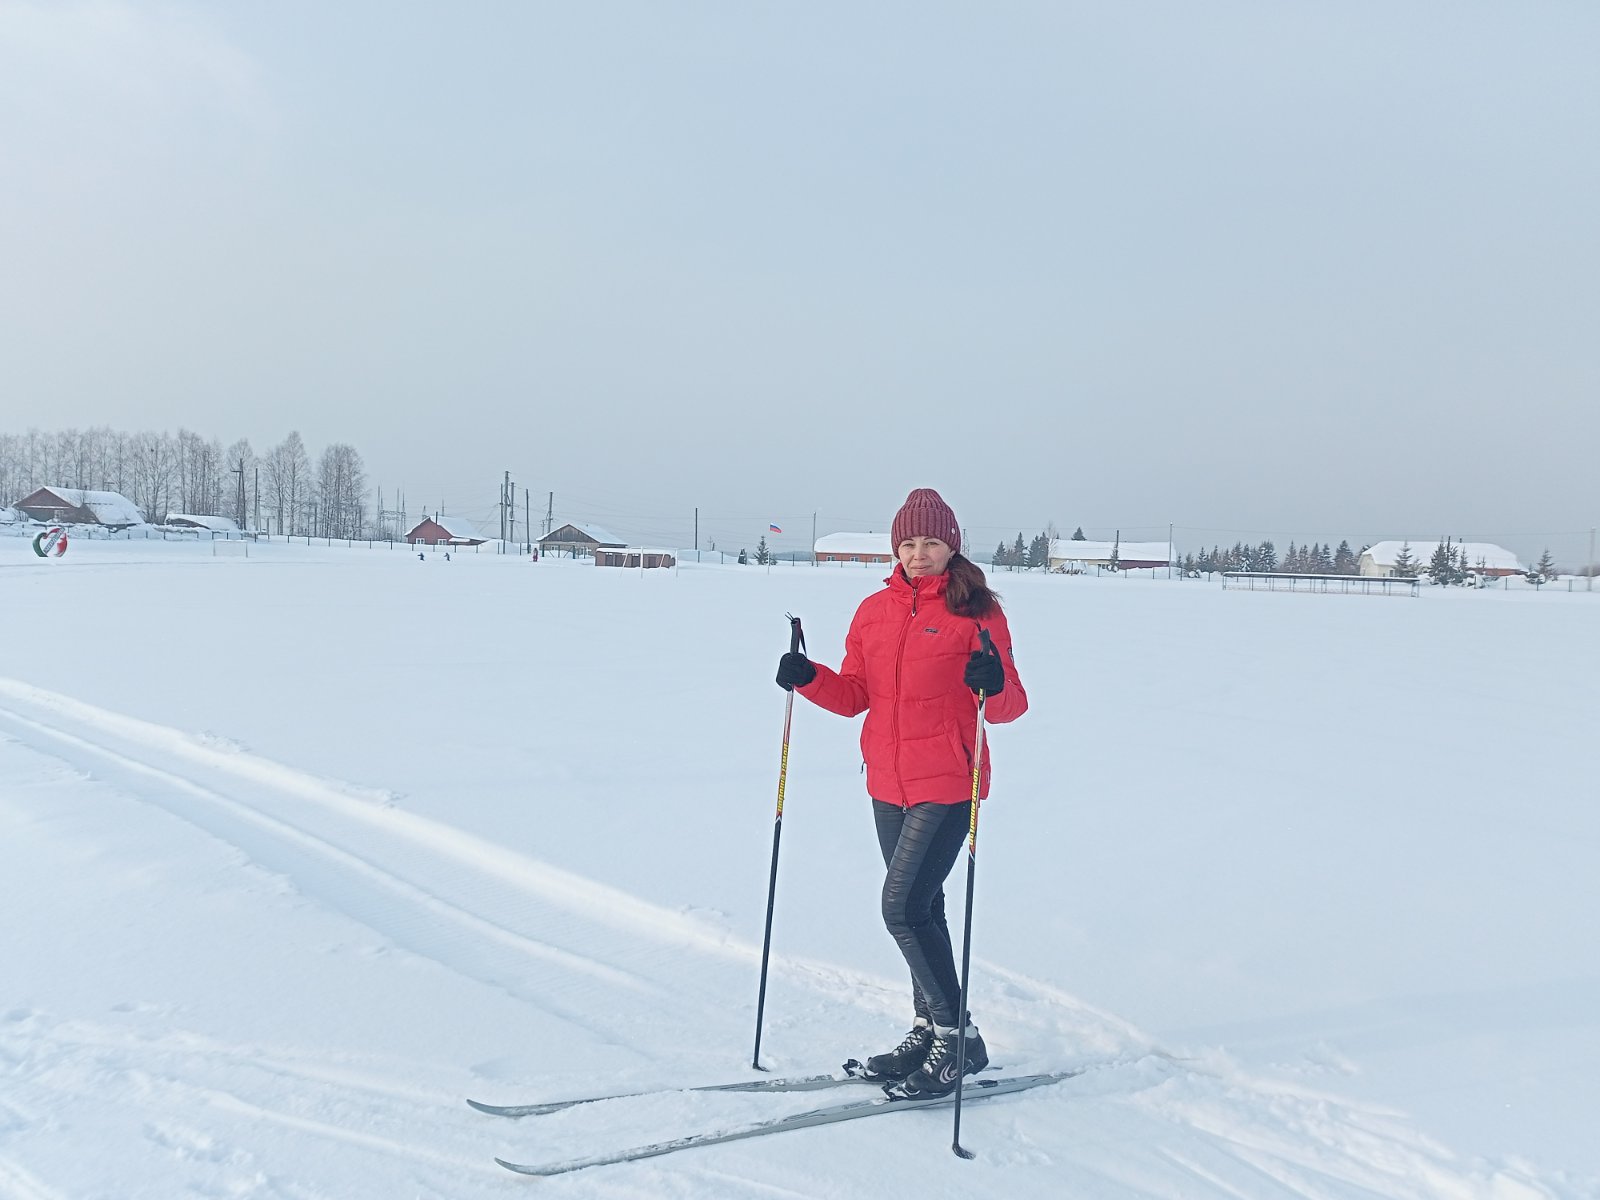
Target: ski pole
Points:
x,y
797,644
966,933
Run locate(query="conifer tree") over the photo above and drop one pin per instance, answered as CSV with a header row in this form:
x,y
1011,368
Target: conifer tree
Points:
x,y
1442,565
1404,563
1344,562
1077,535
1039,552
1546,566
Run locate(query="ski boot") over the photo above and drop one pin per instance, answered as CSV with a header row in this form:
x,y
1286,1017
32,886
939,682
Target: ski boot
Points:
x,y
937,1074
896,1064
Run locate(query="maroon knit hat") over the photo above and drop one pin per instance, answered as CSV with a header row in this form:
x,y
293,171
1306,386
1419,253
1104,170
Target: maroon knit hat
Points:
x,y
925,514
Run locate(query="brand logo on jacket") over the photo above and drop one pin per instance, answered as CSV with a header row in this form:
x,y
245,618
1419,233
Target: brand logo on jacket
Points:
x,y
929,629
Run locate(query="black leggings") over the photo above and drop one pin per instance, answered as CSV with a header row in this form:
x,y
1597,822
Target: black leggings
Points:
x,y
920,845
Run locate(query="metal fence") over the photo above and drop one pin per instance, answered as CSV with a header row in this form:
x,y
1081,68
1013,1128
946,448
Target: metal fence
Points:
x,y
1366,585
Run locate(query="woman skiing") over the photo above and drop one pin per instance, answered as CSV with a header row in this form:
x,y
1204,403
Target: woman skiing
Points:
x,y
914,663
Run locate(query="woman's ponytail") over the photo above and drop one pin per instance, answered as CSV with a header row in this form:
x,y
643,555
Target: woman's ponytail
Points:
x,y
967,593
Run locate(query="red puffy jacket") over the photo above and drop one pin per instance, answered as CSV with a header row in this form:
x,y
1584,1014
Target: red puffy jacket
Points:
x,y
904,658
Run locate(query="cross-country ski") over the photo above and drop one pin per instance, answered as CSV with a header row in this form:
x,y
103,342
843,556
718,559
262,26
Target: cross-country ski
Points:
x,y
809,1083
830,1115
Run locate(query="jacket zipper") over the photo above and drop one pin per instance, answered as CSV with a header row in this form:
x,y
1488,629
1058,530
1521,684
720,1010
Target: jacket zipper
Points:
x,y
899,660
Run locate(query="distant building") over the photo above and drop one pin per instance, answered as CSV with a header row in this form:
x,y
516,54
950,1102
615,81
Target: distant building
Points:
x,y
637,557
854,547
1071,557
445,531
195,521
74,506
579,540
1483,558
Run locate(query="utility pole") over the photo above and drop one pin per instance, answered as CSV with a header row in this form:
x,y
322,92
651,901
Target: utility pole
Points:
x,y
239,507
813,539
257,522
550,514
697,529
1590,586
527,517
1169,549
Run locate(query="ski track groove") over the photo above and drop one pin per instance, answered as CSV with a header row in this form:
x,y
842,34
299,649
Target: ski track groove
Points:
x,y
19,1184
478,930
386,903
386,1146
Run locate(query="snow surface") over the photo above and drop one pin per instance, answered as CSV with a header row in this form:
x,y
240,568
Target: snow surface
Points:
x,y
1321,897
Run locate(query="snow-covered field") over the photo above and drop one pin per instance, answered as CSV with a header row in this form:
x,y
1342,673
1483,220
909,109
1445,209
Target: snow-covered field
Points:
x,y
301,850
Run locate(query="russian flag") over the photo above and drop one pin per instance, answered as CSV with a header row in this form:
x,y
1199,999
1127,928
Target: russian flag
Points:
x,y
774,529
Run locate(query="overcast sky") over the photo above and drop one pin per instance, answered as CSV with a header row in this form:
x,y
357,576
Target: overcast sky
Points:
x,y
1258,269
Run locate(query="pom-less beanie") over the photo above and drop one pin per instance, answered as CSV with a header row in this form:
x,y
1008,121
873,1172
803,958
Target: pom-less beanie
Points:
x,y
925,514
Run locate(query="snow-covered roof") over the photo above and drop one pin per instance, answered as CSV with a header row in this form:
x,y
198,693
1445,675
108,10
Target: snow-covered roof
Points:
x,y
1062,550
595,532
215,524
109,508
459,528
10,516
1479,554
854,543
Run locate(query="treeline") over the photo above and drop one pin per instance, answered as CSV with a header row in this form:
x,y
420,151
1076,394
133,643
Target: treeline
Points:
x,y
1314,558
1032,555
186,473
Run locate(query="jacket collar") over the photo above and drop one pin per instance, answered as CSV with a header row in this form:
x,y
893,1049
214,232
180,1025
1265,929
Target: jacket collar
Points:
x,y
924,588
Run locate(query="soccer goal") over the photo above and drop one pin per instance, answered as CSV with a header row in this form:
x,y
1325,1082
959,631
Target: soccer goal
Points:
x,y
229,548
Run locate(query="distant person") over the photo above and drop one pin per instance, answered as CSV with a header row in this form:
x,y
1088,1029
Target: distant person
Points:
x,y
914,663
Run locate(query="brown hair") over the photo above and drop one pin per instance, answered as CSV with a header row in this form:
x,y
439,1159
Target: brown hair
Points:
x,y
968,594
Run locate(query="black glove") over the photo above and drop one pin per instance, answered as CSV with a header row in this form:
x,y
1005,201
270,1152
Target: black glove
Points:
x,y
984,673
795,670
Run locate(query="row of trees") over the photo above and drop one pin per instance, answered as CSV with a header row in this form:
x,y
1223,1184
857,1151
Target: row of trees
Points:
x,y
281,490
1314,558
1033,555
